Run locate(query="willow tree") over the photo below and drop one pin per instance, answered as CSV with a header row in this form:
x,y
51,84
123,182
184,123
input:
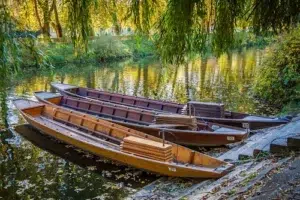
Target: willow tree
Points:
x,y
185,27
8,50
79,22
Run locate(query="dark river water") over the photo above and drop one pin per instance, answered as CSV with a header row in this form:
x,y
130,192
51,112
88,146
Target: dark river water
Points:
x,y
34,166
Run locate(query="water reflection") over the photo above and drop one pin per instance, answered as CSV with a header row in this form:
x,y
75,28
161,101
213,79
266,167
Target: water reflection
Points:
x,y
226,79
4,82
29,170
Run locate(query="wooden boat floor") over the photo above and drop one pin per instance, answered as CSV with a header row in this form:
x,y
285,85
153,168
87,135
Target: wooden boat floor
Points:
x,y
74,133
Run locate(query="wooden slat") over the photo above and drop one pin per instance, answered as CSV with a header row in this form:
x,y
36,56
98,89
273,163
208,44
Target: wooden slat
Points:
x,y
160,153
146,142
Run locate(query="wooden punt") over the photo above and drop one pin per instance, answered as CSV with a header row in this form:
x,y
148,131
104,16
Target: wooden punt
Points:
x,y
207,134
104,138
208,112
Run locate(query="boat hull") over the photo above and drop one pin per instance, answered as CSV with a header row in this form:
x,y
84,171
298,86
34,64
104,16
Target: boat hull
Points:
x,y
234,119
244,123
146,164
178,136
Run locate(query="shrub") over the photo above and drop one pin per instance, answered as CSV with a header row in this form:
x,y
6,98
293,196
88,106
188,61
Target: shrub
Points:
x,y
108,47
278,79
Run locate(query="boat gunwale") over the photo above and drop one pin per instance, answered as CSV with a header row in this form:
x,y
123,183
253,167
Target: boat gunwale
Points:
x,y
241,133
225,119
226,166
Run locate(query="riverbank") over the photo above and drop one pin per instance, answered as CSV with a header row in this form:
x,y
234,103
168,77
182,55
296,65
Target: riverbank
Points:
x,y
257,165
102,49
105,49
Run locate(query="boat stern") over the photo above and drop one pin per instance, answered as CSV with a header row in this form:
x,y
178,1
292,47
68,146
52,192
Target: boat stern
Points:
x,y
32,108
62,86
47,97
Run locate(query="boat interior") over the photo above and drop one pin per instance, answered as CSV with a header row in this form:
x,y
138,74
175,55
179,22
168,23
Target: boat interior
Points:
x,y
125,114
104,134
139,102
201,109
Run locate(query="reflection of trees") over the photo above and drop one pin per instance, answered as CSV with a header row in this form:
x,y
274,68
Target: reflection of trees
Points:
x,y
3,96
90,82
145,81
28,172
159,82
186,79
203,68
174,79
224,79
137,80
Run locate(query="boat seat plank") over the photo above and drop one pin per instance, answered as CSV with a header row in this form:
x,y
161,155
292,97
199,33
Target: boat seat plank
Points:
x,y
130,145
147,156
162,157
146,151
146,142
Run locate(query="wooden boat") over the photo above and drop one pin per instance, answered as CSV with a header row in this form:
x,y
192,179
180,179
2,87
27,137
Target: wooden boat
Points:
x,y
205,134
55,147
111,141
208,112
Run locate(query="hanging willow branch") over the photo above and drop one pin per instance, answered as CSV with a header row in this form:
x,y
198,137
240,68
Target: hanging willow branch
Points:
x,y
9,45
181,29
142,12
185,24
275,15
227,13
79,23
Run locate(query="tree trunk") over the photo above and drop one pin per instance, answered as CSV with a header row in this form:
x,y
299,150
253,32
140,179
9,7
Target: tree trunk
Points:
x,y
58,27
37,14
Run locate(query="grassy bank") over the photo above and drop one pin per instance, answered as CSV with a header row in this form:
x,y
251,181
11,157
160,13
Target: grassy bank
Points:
x,y
115,48
100,49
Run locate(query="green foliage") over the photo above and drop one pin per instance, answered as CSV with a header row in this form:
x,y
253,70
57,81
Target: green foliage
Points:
x,y
79,23
227,13
275,15
243,38
278,80
142,12
58,53
140,46
107,47
101,49
181,31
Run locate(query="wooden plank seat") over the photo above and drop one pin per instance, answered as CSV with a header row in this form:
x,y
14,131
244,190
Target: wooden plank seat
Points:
x,y
147,143
147,148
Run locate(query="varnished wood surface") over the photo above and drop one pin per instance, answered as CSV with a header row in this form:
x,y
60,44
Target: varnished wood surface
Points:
x,y
209,112
144,121
185,162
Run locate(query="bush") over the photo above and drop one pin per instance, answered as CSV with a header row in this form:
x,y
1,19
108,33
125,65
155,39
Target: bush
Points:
x,y
140,46
59,52
278,80
108,48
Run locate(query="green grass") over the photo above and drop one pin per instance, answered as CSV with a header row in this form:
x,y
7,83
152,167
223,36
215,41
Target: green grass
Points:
x,y
100,49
